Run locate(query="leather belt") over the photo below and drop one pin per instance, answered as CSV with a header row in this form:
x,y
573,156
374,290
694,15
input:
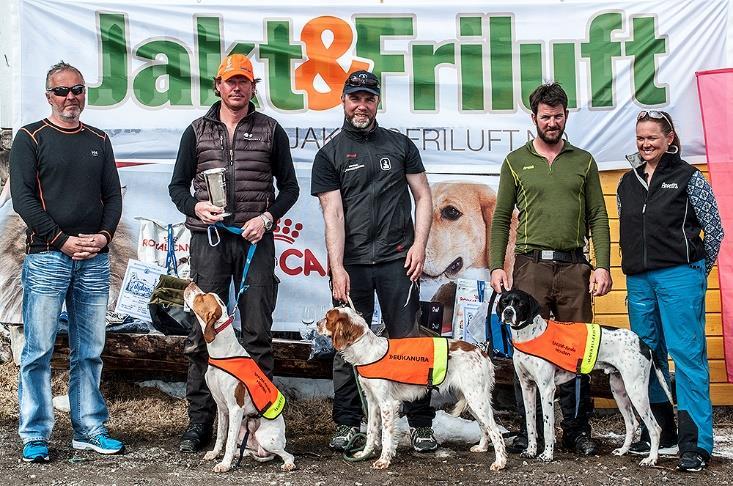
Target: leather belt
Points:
x,y
573,256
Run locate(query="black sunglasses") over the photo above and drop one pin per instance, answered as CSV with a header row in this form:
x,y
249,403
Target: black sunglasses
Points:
x,y
366,82
63,91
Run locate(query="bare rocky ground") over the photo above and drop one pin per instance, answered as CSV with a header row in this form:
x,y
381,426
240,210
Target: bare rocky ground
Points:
x,y
150,423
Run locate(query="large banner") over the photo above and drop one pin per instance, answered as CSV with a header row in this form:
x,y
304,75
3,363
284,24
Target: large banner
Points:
x,y
455,79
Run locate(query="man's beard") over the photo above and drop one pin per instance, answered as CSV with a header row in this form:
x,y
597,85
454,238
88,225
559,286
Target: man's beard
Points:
x,y
550,139
361,122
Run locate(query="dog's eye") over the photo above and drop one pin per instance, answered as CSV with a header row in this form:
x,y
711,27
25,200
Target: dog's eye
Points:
x,y
450,213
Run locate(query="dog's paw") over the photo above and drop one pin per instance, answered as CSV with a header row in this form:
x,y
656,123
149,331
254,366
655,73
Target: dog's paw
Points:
x,y
211,455
621,451
381,464
222,467
648,462
287,467
498,466
479,448
526,454
545,457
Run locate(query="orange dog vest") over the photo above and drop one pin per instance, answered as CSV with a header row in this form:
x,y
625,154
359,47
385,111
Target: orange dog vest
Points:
x,y
414,361
267,399
570,345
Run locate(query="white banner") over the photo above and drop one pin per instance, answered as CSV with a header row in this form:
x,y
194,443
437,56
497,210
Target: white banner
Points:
x,y
455,78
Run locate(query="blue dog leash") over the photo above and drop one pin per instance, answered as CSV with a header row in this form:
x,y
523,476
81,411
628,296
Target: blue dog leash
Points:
x,y
212,229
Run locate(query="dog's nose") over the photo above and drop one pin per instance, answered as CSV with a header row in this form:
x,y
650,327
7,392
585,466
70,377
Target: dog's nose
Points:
x,y
507,315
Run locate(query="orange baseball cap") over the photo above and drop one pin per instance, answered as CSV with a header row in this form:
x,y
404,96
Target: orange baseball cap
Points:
x,y
235,65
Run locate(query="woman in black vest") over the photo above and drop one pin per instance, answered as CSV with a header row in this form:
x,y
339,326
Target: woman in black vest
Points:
x,y
663,204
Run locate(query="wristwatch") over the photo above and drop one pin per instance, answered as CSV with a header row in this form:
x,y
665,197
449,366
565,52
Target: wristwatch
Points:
x,y
266,220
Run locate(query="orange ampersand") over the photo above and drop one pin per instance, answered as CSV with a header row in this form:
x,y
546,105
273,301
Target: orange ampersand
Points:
x,y
323,61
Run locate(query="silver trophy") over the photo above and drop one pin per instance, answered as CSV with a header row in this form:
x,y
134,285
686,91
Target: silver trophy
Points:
x,y
216,184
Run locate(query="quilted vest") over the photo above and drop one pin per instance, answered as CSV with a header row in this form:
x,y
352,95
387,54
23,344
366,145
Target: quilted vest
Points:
x,y
267,399
414,361
250,189
570,345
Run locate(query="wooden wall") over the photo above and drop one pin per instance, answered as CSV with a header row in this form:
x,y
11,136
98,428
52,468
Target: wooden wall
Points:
x,y
611,308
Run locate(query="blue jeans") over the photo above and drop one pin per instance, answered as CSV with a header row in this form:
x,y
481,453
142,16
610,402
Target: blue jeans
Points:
x,y
667,310
49,279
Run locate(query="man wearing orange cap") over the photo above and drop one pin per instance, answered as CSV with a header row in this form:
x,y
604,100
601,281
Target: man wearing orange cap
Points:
x,y
254,150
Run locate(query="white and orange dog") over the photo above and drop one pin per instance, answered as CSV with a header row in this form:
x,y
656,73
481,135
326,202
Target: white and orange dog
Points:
x,y
470,376
621,354
236,412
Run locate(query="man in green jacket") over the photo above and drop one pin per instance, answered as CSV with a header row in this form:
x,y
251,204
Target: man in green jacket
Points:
x,y
557,192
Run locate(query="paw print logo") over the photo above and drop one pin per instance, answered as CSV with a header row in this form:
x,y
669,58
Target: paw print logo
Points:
x,y
287,230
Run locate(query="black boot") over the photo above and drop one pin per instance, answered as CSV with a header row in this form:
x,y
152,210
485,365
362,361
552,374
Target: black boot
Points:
x,y
195,437
664,415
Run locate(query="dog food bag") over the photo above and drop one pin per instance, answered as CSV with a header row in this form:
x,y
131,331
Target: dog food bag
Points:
x,y
153,246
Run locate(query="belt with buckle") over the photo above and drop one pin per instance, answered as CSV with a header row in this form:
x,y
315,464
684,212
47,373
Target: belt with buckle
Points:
x,y
573,256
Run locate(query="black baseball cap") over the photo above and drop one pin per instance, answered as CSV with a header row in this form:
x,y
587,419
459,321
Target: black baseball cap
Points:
x,y
362,81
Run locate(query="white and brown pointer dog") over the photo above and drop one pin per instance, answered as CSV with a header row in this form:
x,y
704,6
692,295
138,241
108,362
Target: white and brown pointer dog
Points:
x,y
266,437
470,376
622,355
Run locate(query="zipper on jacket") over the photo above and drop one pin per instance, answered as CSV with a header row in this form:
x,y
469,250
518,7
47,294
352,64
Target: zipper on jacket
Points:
x,y
372,225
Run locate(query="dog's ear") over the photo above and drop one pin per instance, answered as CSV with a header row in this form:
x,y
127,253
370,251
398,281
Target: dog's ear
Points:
x,y
344,332
534,307
208,308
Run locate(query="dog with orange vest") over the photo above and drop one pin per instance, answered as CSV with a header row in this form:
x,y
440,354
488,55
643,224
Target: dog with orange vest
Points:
x,y
248,404
548,353
392,371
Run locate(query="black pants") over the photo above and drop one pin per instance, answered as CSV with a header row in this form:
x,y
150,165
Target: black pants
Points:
x,y
392,285
561,290
213,268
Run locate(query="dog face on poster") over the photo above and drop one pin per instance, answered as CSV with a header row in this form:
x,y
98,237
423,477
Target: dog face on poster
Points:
x,y
458,245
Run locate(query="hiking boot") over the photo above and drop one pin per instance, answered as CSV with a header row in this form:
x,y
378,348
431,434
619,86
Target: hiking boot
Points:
x,y
423,439
102,443
585,445
342,437
196,437
35,451
691,461
521,442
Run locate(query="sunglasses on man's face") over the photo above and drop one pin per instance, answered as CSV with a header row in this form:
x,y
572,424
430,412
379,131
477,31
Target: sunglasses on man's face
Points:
x,y
657,115
366,82
63,91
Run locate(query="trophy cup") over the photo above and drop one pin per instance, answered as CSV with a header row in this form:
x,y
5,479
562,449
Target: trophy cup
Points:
x,y
216,184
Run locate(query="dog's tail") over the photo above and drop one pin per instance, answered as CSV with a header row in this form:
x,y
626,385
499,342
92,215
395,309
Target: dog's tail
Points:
x,y
660,378
459,408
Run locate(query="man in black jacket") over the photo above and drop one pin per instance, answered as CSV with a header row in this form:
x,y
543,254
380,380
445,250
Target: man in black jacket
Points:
x,y
363,179
66,188
254,151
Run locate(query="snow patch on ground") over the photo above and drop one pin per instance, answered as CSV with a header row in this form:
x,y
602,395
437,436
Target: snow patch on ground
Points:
x,y
447,428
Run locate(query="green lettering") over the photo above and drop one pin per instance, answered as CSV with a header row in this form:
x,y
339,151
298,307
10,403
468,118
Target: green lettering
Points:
x,y
500,46
209,47
176,69
280,54
600,50
644,46
530,69
369,34
564,70
425,59
472,66
113,61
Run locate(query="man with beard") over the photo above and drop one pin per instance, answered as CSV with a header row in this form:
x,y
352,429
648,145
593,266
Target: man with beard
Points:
x,y
363,179
254,151
557,191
